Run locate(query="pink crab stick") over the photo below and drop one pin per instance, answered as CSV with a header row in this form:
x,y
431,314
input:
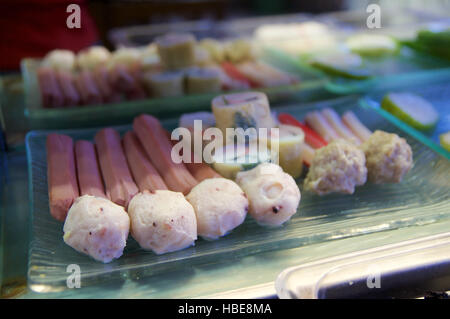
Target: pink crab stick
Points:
x,y
88,170
145,175
158,148
319,123
49,88
353,123
343,131
120,187
61,175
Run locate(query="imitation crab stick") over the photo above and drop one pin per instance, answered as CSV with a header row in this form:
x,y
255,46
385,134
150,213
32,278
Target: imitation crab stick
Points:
x,y
343,131
68,89
319,123
121,78
145,175
311,137
87,88
61,175
231,70
120,187
353,123
88,170
158,148
49,87
200,171
101,77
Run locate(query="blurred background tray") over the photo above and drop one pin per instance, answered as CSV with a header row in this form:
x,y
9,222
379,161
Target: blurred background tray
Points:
x,y
388,68
422,198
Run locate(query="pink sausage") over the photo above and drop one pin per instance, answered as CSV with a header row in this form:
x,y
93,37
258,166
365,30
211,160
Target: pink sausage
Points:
x,y
61,175
120,187
87,88
50,90
143,171
88,171
70,93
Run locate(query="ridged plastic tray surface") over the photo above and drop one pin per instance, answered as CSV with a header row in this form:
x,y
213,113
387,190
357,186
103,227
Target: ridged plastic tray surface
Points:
x,y
422,198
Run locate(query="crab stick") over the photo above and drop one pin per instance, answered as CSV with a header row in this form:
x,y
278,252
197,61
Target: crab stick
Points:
x,y
101,77
120,187
343,131
158,148
319,123
88,170
68,89
87,88
121,79
311,137
61,175
49,87
145,175
201,171
349,118
137,92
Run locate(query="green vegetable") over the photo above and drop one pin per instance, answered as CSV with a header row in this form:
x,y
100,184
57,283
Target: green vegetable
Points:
x,y
445,140
412,109
435,39
434,43
345,65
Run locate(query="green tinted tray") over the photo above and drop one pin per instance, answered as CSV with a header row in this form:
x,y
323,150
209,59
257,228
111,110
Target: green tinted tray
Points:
x,y
422,198
124,112
436,91
383,69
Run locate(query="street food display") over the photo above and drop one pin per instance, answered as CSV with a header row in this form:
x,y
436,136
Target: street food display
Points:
x,y
135,184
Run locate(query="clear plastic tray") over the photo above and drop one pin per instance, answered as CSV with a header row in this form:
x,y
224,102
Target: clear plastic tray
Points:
x,y
121,113
407,61
437,93
421,198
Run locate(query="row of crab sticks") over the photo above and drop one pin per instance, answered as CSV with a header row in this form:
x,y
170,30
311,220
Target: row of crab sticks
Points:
x,y
325,126
117,169
63,88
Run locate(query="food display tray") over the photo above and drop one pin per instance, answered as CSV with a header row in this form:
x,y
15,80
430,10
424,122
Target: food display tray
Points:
x,y
422,198
123,112
406,62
